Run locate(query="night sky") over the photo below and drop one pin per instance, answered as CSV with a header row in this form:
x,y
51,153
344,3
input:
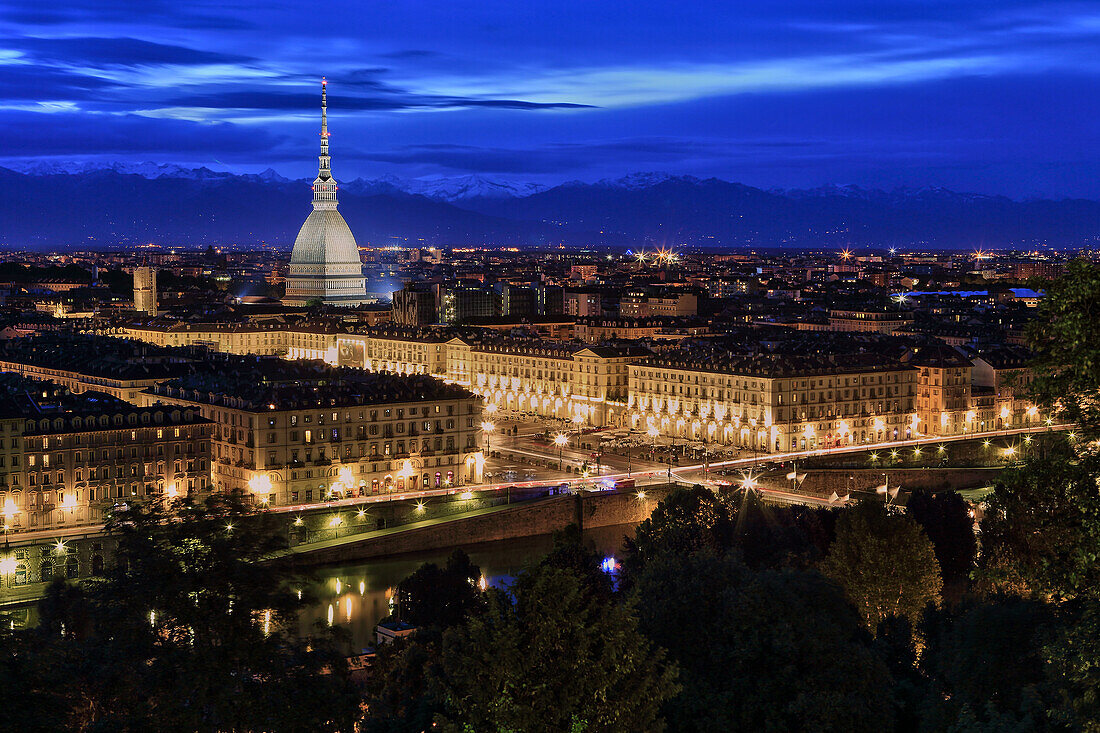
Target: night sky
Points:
x,y
992,96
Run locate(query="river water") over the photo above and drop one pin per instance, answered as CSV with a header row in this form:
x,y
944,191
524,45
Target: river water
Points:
x,y
356,597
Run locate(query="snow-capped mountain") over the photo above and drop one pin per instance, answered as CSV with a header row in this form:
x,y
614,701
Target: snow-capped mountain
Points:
x,y
54,203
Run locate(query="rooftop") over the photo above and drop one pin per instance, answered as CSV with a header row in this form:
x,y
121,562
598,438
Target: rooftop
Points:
x,y
268,383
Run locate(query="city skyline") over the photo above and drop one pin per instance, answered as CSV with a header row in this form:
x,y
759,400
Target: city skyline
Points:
x,y
983,97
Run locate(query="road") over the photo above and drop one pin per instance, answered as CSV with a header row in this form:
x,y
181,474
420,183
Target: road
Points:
x,y
688,474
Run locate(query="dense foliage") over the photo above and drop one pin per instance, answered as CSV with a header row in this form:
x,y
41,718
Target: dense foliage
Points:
x,y
189,630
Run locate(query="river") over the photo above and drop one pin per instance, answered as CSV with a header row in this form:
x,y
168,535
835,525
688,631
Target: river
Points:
x,y
356,597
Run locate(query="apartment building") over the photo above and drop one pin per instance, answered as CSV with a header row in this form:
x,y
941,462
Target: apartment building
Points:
x,y
772,401
883,321
68,458
584,384
291,433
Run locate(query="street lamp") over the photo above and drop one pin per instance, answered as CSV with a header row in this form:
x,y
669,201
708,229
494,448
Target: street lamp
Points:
x,y
560,440
487,427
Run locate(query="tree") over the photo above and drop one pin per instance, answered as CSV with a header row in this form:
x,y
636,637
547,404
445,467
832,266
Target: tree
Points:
x,y
1041,531
885,564
400,694
777,536
684,521
945,518
548,657
986,669
1073,655
569,553
442,597
761,650
1065,335
193,629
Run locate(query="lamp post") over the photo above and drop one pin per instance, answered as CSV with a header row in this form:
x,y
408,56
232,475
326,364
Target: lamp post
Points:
x,y
487,428
560,440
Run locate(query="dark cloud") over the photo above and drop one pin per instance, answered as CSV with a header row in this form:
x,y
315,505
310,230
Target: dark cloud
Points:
x,y
22,83
96,52
71,134
394,99
125,12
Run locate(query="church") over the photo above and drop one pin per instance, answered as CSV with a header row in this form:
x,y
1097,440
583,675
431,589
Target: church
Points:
x,y
325,265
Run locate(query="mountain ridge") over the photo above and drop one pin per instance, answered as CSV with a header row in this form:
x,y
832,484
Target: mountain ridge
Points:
x,y
121,204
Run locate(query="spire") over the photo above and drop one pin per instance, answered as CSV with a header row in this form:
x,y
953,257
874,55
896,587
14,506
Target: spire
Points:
x,y
324,187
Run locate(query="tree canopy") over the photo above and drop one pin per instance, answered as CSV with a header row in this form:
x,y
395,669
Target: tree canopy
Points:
x,y
761,650
885,564
548,656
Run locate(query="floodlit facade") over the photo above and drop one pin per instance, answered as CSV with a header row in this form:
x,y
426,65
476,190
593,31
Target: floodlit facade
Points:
x,y
145,290
288,438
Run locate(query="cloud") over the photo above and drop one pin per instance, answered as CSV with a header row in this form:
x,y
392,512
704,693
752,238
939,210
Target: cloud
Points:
x,y
27,82
390,98
73,134
99,52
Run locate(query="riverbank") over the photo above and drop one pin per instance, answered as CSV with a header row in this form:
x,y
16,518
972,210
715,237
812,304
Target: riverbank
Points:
x,y
591,510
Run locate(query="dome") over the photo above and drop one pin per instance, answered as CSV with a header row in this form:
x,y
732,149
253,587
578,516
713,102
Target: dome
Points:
x,y
325,241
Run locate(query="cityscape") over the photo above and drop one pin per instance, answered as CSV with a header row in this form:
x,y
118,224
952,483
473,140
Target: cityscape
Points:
x,y
502,434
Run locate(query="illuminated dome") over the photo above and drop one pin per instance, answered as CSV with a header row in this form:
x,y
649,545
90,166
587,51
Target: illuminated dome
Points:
x,y
325,264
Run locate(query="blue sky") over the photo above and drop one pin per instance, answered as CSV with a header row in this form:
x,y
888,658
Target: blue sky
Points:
x,y
988,96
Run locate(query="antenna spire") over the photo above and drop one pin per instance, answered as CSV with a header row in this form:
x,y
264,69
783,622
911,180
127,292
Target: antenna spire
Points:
x,y
324,188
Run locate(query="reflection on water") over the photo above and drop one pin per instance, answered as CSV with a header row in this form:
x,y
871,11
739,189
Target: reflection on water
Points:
x,y
357,597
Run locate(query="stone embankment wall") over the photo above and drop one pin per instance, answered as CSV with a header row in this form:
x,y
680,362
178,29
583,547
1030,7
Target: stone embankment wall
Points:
x,y
523,520
823,482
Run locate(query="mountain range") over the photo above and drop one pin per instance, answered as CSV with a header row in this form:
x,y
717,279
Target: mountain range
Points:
x,y
97,205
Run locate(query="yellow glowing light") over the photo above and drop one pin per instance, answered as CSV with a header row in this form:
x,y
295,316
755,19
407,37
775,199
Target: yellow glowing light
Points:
x,y
560,439
9,507
1010,451
420,506
641,495
297,521
491,408
172,492
59,547
8,565
259,484
336,521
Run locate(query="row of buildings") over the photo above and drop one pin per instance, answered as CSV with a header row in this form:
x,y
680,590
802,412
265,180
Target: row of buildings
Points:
x,y
186,420
770,389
